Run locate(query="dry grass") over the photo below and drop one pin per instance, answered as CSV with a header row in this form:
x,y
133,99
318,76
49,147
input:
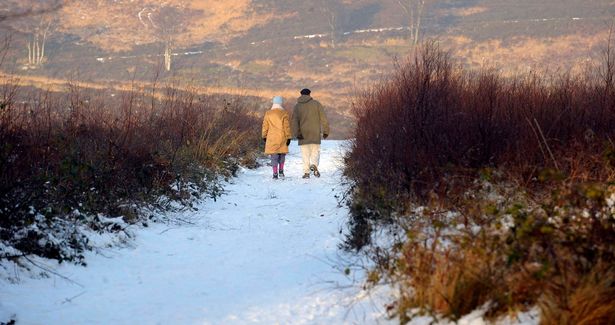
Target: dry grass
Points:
x,y
465,12
224,19
508,254
523,54
446,282
586,299
62,85
122,29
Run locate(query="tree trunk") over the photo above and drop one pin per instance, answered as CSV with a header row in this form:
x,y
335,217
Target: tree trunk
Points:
x,y
29,44
42,56
36,51
167,58
419,14
332,24
414,10
417,30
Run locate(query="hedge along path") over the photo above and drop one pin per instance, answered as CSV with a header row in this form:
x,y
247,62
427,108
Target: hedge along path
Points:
x,y
266,252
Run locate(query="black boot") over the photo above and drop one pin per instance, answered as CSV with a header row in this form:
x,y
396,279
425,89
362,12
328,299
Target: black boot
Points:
x,y
281,173
275,175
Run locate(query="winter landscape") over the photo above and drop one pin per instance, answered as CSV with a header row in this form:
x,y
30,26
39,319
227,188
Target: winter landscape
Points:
x,y
266,252
289,162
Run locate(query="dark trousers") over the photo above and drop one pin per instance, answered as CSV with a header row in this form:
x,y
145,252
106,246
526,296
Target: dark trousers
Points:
x,y
277,161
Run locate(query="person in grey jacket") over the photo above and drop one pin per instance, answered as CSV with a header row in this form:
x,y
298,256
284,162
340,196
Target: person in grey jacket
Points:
x,y
309,124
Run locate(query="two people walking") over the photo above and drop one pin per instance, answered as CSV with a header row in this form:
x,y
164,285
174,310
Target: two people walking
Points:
x,y
309,124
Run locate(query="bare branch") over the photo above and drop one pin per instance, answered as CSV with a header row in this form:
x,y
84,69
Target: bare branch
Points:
x,y
168,22
405,6
414,11
331,11
5,45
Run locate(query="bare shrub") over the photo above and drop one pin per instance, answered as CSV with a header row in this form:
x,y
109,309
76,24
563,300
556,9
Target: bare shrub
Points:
x,y
502,188
75,154
428,131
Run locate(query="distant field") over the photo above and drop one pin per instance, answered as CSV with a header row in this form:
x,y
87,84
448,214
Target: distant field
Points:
x,y
336,109
279,46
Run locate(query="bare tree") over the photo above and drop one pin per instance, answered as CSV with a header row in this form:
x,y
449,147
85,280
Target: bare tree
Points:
x,y
167,56
330,9
36,42
414,11
332,20
5,45
36,19
169,22
607,72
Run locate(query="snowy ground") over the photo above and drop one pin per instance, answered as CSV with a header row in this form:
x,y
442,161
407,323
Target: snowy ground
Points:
x,y
265,253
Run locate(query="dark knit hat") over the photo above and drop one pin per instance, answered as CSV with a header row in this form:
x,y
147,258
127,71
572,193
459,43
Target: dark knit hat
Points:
x,y
305,91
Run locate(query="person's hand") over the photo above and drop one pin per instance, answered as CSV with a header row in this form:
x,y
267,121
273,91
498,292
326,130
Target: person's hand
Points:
x,y
325,135
264,139
287,142
299,137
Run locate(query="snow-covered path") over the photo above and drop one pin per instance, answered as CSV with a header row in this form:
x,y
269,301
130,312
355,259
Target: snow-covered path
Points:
x,y
264,253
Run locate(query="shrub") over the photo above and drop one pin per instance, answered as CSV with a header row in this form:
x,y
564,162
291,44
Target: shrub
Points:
x,y
429,131
502,188
69,156
505,252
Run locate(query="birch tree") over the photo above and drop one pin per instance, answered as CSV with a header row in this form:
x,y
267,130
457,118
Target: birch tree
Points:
x,y
331,9
36,20
37,41
169,22
37,30
413,10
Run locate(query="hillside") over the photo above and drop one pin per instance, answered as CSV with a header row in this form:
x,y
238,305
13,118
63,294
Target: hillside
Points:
x,y
334,47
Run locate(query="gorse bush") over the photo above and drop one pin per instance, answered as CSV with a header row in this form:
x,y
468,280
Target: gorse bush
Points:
x,y
502,188
66,156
